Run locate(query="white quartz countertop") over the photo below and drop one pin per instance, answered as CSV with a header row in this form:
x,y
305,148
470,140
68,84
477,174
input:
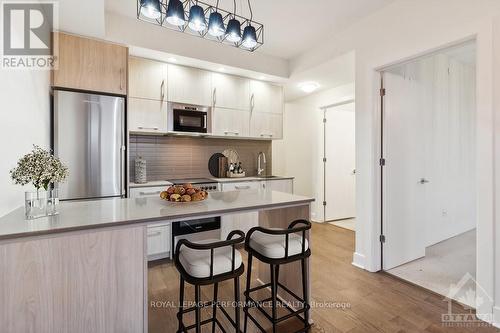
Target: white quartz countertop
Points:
x,y
115,212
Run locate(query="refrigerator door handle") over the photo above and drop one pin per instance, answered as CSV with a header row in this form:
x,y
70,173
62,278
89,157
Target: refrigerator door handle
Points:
x,y
122,170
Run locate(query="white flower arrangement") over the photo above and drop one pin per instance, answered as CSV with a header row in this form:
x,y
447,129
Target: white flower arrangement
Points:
x,y
40,168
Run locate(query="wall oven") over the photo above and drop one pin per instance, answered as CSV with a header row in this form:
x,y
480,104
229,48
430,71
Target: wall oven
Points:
x,y
189,118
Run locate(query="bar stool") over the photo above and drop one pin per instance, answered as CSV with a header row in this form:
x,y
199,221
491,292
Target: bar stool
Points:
x,y
277,247
204,263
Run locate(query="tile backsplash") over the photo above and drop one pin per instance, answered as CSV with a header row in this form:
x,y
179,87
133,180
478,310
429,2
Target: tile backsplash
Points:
x,y
183,157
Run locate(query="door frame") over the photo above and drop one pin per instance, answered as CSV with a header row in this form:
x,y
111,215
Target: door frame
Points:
x,y
323,110
484,156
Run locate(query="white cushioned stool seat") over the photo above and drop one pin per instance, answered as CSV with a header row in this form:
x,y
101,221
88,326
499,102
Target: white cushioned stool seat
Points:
x,y
273,246
197,262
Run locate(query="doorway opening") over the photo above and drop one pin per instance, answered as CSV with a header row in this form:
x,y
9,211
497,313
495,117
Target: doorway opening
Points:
x,y
339,166
428,177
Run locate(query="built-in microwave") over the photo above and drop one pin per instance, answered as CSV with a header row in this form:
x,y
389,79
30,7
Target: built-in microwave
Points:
x,y
189,118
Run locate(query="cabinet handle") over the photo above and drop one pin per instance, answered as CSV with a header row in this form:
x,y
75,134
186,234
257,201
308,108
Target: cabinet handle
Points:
x,y
152,234
150,128
246,187
214,96
121,78
252,102
231,132
162,87
264,134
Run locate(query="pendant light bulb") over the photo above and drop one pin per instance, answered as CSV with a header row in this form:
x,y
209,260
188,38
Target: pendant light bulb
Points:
x,y
197,20
175,13
249,37
216,25
150,9
233,31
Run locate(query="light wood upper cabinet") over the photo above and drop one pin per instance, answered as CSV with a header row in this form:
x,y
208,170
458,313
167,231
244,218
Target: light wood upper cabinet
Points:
x,y
147,116
147,79
231,122
230,91
189,85
266,125
266,97
88,64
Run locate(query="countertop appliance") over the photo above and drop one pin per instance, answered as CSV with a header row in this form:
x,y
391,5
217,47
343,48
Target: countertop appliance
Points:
x,y
184,118
88,135
206,184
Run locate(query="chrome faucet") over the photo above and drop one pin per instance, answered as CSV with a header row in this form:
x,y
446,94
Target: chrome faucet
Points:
x,y
261,170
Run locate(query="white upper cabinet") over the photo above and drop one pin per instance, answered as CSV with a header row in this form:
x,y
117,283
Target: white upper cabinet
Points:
x,y
266,125
147,79
189,85
266,97
231,122
230,92
147,116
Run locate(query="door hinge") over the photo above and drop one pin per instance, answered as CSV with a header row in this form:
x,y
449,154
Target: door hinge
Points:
x,y
324,203
324,159
382,238
382,91
382,162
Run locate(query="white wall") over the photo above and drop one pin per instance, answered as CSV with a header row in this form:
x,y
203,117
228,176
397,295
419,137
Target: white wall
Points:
x,y
299,154
399,31
25,119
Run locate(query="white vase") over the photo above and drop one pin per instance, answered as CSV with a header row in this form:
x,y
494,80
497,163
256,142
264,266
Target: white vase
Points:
x,y
35,204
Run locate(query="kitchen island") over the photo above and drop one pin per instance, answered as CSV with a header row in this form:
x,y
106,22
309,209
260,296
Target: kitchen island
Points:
x,y
85,270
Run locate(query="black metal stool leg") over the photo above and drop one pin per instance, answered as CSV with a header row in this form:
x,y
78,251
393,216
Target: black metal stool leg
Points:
x,y
181,305
198,308
305,292
249,278
214,316
237,318
274,295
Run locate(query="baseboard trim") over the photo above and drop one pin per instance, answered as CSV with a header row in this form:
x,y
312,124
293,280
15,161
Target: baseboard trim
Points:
x,y
496,316
358,260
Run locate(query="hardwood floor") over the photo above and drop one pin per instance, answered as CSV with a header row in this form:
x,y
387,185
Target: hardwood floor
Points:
x,y
374,302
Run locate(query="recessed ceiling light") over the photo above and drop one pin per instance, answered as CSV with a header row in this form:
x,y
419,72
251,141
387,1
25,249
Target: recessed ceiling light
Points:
x,y
172,59
308,87
262,77
222,69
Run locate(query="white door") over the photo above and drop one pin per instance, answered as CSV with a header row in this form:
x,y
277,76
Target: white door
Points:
x,y
340,173
231,122
147,79
266,97
406,135
147,116
266,125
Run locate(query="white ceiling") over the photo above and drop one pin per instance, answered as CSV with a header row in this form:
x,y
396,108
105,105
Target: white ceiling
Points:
x,y
291,26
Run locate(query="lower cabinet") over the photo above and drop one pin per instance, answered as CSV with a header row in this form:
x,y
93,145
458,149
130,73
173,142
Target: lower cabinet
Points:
x,y
246,221
159,236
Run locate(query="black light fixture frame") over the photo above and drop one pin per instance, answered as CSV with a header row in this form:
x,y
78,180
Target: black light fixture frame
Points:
x,y
207,9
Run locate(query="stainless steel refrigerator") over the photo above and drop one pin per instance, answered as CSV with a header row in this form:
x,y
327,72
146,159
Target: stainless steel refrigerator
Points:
x,y
89,137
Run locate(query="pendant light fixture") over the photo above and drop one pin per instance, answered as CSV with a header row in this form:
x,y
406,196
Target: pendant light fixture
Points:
x,y
150,9
197,20
175,13
216,23
249,33
233,31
